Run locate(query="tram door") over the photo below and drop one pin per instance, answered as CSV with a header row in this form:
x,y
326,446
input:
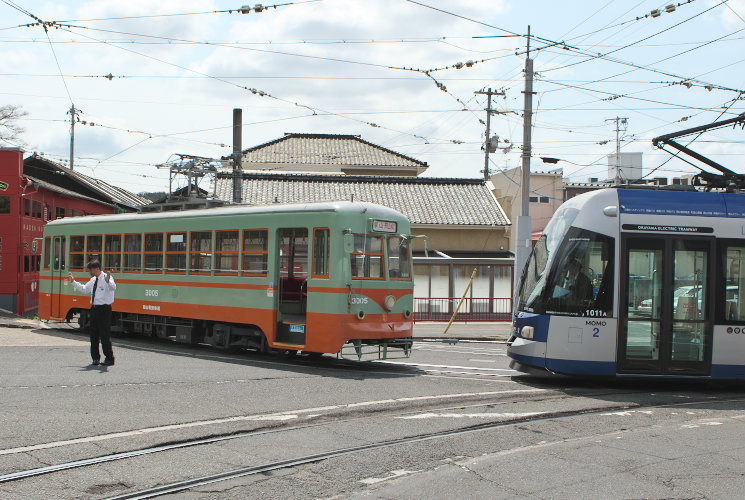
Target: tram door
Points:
x,y
292,268
667,305
58,274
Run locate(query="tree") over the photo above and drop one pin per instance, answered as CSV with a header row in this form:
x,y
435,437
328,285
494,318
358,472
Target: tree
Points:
x,y
9,131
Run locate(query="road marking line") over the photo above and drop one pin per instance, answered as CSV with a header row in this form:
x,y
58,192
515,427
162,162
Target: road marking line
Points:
x,y
446,366
391,475
243,418
471,415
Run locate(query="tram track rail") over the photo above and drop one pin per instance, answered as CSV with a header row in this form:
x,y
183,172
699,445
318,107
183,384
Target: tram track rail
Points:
x,y
188,484
329,420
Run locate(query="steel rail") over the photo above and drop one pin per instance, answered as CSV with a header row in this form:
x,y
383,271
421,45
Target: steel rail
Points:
x,y
294,462
15,476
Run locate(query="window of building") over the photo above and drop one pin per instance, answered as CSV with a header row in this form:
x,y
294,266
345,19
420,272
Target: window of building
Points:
x,y
4,204
201,252
93,249
75,213
154,253
132,253
48,214
321,252
47,252
113,254
176,253
27,207
26,263
399,258
226,252
36,207
367,258
255,245
77,253
544,199
59,212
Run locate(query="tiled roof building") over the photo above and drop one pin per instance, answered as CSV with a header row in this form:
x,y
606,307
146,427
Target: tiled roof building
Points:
x,y
424,200
459,216
349,154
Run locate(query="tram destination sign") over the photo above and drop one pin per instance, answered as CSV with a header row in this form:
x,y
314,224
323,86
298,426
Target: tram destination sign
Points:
x,y
656,228
384,226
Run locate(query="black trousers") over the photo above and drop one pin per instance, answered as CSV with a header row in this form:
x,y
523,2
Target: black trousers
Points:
x,y
100,331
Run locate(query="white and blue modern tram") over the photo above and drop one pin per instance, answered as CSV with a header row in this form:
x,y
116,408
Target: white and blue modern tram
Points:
x,y
636,283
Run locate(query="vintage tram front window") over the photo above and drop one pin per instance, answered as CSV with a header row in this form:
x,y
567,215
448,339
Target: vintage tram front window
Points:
x,y
367,258
535,272
581,280
399,258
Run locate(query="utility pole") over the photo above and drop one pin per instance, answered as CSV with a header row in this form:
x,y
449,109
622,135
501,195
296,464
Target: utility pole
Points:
x,y
73,118
619,121
488,146
524,222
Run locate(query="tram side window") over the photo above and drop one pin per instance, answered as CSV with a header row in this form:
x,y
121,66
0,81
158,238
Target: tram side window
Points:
x,y
320,253
734,283
176,253
154,252
226,252
367,258
132,253
93,247
47,252
201,252
255,245
4,204
399,258
581,282
77,253
113,254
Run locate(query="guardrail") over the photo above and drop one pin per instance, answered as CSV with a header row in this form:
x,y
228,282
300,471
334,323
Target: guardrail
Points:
x,y
472,309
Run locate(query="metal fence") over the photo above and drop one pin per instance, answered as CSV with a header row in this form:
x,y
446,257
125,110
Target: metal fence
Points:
x,y
472,309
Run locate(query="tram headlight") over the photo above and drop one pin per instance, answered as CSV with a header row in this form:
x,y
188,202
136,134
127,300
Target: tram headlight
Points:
x,y
526,332
390,301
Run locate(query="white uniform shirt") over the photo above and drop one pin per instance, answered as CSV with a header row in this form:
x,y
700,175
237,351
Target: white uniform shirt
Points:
x,y
104,291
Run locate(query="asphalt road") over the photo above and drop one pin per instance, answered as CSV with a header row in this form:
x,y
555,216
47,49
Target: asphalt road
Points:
x,y
451,421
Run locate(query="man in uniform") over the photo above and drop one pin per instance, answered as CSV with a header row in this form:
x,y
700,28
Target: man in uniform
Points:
x,y
101,288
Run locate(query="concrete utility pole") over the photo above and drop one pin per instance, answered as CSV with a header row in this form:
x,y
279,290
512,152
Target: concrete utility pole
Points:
x,y
73,118
619,121
524,222
487,143
237,155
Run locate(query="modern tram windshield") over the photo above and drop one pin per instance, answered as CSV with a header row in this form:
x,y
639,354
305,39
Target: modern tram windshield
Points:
x,y
569,272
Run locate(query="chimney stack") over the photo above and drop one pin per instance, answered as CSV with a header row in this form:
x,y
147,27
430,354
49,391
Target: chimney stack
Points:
x,y
237,155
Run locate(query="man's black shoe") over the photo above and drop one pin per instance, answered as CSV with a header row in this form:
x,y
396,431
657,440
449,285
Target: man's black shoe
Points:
x,y
108,362
95,362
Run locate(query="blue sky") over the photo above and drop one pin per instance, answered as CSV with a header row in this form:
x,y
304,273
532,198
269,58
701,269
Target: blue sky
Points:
x,y
344,66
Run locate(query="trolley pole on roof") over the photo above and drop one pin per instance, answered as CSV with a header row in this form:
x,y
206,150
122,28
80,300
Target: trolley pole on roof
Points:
x,y
237,155
524,222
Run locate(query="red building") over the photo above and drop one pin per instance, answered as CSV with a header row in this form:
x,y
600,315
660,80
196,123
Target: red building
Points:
x,y
32,192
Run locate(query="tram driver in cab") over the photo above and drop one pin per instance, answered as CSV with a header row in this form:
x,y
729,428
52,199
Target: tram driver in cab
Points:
x,y
576,289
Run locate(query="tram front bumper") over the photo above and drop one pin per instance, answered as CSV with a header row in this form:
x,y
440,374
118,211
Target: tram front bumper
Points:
x,y
527,355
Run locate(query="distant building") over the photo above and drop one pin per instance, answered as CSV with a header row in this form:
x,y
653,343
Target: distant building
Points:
x,y
546,195
626,167
32,192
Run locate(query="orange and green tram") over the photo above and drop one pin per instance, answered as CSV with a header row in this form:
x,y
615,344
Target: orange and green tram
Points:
x,y
319,278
